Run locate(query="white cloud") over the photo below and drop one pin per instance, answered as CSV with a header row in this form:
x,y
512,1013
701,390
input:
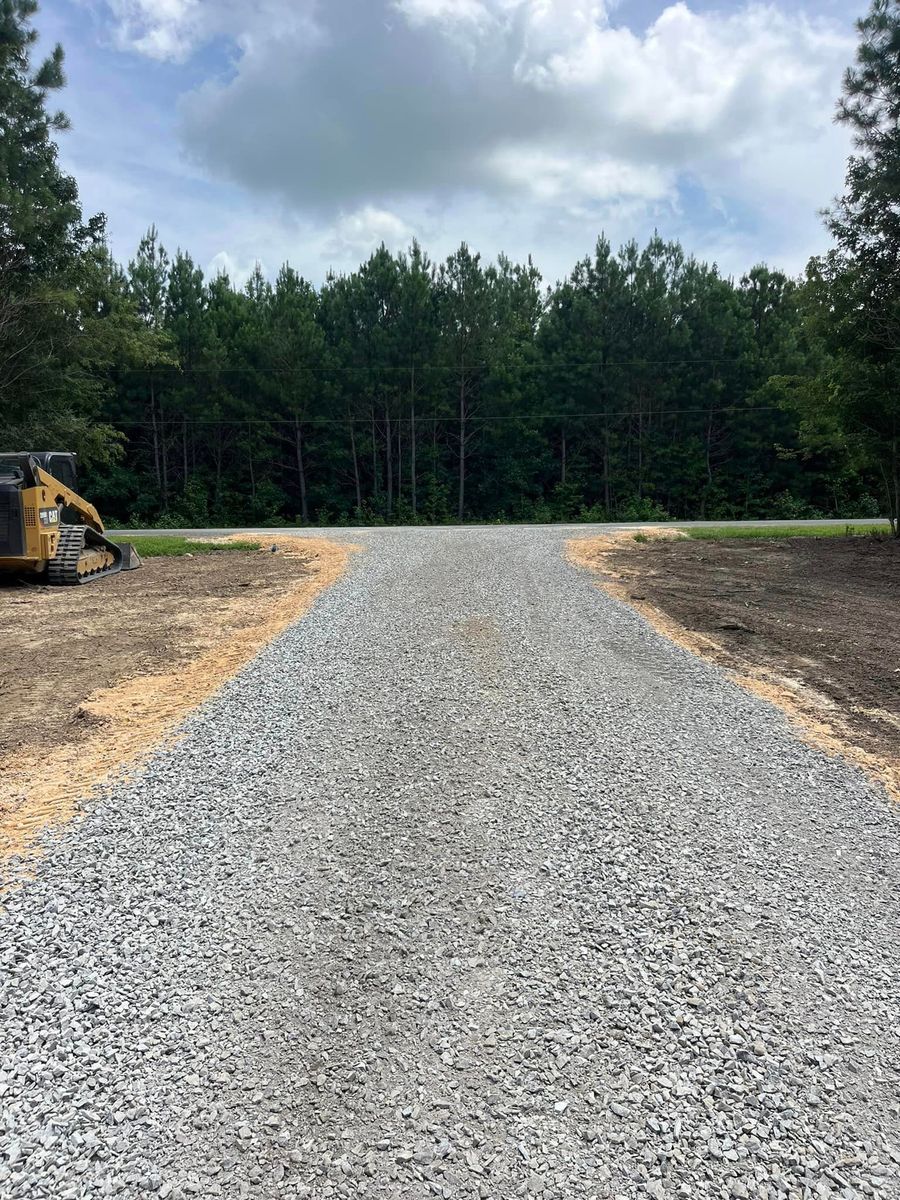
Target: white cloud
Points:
x,y
159,29
355,235
571,180
171,30
447,13
387,104
238,272
530,123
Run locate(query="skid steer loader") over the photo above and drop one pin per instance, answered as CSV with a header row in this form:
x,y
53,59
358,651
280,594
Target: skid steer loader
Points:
x,y
46,529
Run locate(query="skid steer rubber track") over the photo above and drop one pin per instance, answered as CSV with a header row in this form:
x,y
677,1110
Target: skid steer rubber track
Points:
x,y
83,555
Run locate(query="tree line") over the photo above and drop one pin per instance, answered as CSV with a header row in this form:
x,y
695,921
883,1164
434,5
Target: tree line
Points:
x,y
645,384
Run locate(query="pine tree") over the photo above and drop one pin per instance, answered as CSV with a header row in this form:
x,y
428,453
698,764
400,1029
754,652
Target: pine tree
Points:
x,y
41,228
43,240
467,316
293,354
856,288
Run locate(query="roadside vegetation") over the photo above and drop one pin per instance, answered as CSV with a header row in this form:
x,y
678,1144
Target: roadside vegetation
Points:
x,y
729,533
178,547
644,386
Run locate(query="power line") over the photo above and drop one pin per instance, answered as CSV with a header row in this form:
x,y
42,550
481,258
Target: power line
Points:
x,y
407,367
471,419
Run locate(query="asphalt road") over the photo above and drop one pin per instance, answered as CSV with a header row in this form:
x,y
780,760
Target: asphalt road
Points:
x,y
572,530
470,885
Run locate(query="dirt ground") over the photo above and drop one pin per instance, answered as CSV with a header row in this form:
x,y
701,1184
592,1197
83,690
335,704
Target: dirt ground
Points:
x,y
810,623
92,677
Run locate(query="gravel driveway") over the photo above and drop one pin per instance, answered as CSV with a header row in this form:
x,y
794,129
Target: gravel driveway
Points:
x,y
469,886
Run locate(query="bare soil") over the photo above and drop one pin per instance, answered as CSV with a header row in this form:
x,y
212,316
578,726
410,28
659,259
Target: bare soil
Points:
x,y
92,677
810,623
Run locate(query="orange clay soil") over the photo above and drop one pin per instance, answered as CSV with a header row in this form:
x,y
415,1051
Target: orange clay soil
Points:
x,y
806,623
92,678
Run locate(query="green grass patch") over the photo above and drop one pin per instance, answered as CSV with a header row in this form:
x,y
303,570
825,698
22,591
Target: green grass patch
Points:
x,y
178,547
717,533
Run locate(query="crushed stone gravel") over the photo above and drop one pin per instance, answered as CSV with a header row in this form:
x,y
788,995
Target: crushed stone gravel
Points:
x,y
469,886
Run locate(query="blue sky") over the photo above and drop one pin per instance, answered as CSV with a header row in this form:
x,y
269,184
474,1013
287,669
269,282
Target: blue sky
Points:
x,y
311,130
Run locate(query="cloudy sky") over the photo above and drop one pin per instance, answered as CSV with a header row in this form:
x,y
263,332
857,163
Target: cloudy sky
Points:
x,y
312,130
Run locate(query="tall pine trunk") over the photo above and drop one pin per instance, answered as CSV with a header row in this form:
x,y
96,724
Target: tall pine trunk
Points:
x,y
607,494
399,460
154,425
164,456
463,434
218,452
301,469
389,460
412,438
891,476
434,462
704,498
356,481
250,466
376,479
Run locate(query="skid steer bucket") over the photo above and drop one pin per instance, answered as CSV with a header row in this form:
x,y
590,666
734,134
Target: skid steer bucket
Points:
x,y
131,560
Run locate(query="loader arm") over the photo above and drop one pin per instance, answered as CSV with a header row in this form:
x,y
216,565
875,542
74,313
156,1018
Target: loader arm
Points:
x,y
63,497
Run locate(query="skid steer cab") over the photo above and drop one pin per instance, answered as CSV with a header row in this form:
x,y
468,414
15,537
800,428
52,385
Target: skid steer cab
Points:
x,y
47,530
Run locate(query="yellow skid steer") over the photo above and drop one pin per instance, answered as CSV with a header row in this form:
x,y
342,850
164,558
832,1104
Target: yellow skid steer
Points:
x,y
47,529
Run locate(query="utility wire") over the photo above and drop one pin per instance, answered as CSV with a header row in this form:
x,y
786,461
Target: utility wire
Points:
x,y
405,368
471,418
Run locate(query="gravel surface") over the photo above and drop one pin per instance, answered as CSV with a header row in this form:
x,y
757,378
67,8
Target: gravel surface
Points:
x,y
469,886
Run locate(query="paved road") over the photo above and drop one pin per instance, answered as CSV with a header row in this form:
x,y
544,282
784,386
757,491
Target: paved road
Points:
x,y
570,530
470,886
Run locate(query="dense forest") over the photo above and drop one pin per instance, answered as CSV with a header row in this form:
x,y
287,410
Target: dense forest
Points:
x,y
643,385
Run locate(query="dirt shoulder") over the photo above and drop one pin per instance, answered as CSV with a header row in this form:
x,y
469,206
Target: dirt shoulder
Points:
x,y
91,678
809,623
